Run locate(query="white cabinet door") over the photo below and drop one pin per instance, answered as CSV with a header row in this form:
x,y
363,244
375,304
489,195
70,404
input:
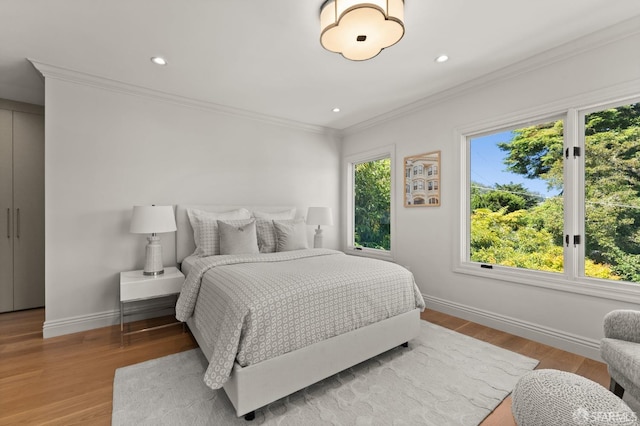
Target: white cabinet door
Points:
x,y
28,208
6,211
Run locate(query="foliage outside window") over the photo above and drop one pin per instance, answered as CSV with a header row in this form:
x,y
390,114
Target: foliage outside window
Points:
x,y
612,193
522,224
511,223
369,203
372,204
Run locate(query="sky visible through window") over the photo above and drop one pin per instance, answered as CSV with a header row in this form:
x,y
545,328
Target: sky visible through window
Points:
x,y
488,168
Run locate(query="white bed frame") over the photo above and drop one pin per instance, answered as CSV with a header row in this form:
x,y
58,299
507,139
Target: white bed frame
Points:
x,y
255,386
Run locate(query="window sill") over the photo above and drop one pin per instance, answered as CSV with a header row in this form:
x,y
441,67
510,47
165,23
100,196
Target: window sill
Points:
x,y
622,292
371,253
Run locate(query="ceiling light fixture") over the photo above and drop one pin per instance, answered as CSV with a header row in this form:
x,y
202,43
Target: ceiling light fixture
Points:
x,y
159,60
336,109
359,30
442,58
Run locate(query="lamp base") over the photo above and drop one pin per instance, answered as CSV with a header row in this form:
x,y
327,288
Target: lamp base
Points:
x,y
153,261
317,239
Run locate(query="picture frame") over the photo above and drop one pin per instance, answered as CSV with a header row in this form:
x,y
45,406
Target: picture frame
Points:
x,y
422,180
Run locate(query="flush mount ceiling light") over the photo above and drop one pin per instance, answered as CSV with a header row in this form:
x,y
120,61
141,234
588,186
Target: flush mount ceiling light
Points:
x,y
360,30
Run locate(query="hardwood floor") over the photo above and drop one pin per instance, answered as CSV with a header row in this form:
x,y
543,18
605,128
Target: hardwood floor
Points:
x,y
68,380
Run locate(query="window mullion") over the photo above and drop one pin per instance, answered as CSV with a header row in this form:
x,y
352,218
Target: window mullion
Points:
x,y
579,186
572,198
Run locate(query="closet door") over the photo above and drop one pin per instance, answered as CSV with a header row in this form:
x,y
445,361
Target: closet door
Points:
x,y
6,212
28,208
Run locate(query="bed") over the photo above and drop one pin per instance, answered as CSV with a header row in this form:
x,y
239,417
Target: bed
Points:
x,y
261,318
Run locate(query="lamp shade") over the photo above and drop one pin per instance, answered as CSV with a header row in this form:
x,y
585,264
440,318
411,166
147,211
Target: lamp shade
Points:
x,y
152,220
319,216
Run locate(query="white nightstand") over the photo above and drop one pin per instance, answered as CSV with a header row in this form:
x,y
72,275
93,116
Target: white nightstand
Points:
x,y
134,287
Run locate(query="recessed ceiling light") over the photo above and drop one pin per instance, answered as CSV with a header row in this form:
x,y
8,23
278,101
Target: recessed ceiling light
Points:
x,y
442,58
336,110
159,60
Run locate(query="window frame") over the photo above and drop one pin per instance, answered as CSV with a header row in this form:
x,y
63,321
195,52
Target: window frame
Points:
x,y
350,161
572,279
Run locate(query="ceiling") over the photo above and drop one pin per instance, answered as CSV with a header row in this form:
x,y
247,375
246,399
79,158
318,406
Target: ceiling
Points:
x,y
265,56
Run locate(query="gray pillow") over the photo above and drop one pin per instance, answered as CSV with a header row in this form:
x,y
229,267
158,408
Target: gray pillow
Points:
x,y
291,235
267,240
238,239
205,228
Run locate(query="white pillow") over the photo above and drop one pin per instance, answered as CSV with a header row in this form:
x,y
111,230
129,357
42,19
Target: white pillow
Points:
x,y
238,239
205,228
291,235
267,241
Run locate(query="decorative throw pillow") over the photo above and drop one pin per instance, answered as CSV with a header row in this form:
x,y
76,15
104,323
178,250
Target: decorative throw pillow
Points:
x,y
266,236
205,228
238,239
266,232
291,235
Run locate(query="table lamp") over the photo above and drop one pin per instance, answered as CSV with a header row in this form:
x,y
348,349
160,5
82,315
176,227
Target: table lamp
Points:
x,y
153,220
319,216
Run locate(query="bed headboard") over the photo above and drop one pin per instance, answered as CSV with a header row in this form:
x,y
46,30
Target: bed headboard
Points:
x,y
185,244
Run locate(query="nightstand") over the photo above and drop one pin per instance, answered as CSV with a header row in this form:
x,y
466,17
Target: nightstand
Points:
x,y
136,287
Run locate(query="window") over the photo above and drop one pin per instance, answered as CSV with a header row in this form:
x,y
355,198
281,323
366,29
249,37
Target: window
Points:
x,y
541,201
611,193
515,197
370,203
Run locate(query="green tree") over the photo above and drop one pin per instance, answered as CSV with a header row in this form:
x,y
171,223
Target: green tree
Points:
x,y
512,196
373,204
505,238
508,239
612,181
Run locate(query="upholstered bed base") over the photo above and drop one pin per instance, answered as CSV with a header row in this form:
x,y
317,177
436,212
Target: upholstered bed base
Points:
x,y
255,386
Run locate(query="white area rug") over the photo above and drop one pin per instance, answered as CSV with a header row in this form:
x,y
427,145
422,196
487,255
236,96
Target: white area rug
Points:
x,y
442,378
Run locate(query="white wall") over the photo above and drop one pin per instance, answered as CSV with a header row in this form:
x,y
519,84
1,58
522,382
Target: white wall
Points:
x,y
425,236
107,151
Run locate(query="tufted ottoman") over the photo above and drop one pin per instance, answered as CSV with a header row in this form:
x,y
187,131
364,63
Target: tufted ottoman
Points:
x,y
555,398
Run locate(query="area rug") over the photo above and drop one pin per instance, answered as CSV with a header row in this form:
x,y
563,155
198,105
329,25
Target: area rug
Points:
x,y
442,378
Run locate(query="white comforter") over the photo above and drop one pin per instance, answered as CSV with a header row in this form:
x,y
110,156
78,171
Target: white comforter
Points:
x,y
250,308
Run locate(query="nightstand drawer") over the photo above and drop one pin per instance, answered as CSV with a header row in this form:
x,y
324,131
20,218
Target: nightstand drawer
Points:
x,y
134,285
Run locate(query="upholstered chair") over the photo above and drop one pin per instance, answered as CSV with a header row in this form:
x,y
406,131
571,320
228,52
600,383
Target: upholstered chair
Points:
x,y
620,349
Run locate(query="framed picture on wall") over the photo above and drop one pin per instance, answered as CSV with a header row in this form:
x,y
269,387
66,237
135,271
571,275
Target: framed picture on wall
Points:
x,y
422,180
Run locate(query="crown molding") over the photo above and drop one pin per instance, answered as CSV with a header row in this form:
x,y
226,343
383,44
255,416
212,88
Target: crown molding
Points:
x,y
578,46
625,29
50,71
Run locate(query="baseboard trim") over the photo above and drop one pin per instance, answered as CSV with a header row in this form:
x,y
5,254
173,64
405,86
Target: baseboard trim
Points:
x,y
59,327
79,323
569,342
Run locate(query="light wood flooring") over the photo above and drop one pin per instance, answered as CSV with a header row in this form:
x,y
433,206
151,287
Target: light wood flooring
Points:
x,y
68,380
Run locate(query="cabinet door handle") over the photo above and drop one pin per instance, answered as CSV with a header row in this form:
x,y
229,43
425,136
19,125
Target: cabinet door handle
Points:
x,y
8,223
18,223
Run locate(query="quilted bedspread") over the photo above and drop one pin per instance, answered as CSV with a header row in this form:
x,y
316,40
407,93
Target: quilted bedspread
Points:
x,y
254,307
